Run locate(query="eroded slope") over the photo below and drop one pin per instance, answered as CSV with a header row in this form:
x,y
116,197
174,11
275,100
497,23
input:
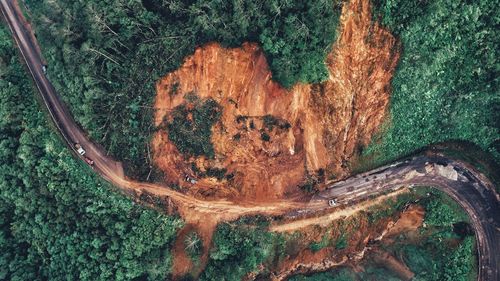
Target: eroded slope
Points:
x,y
268,139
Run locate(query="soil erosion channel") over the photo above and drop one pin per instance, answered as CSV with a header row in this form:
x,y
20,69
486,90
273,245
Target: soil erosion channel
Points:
x,y
269,140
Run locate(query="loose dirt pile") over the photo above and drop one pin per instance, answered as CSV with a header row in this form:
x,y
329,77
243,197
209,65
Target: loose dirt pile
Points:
x,y
409,221
269,140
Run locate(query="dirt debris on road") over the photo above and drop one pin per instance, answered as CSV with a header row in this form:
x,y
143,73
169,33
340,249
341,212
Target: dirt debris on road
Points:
x,y
334,215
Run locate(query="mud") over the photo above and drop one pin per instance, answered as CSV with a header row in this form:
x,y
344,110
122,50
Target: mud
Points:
x,y
339,213
322,126
316,130
182,264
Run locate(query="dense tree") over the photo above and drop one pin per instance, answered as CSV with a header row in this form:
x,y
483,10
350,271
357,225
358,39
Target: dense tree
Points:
x,y
238,250
104,57
191,126
58,220
446,84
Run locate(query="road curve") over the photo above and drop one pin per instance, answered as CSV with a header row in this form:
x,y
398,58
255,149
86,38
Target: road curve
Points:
x,y
109,169
474,192
470,189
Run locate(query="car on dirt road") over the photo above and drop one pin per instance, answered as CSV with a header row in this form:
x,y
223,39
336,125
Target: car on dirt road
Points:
x,y
332,202
89,161
79,149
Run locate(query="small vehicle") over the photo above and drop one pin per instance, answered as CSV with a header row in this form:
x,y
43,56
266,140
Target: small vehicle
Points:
x,y
190,179
332,202
79,149
89,161
44,68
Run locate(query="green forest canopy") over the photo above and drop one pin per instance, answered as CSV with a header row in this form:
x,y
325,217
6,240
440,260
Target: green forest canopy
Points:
x,y
58,219
446,86
104,57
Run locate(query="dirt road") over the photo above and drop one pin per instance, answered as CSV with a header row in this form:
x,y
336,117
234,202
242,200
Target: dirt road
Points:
x,y
469,188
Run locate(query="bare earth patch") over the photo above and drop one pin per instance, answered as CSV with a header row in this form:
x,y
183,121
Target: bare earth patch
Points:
x,y
318,128
270,140
359,236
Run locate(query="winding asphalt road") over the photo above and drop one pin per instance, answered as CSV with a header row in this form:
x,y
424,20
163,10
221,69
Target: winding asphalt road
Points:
x,y
474,192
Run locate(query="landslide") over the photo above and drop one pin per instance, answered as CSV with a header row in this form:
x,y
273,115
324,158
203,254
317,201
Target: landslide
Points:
x,y
348,242
269,140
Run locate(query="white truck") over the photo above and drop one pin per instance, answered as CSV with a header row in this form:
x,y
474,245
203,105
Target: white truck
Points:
x,y
79,149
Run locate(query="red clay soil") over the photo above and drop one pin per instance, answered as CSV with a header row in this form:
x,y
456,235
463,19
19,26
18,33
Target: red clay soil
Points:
x,y
304,260
301,259
411,219
329,121
182,263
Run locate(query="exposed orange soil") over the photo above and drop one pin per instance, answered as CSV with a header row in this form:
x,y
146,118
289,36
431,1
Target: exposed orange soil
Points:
x,y
301,259
328,121
304,260
410,220
181,262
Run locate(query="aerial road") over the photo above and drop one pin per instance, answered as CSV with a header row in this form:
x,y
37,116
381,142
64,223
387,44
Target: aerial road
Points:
x,y
473,191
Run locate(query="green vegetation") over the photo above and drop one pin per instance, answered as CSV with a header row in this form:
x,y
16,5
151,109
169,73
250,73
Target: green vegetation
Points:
x,y
391,206
336,275
442,211
437,257
264,136
191,126
432,261
341,242
446,84
193,245
316,246
58,220
441,253
346,274
104,57
239,248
